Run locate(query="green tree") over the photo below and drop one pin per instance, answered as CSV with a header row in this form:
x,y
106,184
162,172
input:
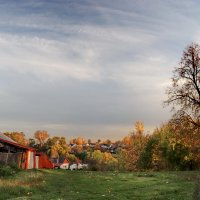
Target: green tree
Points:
x,y
102,161
146,156
57,147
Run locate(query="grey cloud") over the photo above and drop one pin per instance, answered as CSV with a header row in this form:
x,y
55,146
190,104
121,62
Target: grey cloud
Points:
x,y
70,101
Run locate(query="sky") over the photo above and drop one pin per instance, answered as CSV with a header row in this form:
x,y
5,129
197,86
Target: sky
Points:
x,y
90,68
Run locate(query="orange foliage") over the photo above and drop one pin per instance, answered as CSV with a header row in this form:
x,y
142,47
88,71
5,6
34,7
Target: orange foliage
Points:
x,y
19,137
188,135
41,136
79,141
135,143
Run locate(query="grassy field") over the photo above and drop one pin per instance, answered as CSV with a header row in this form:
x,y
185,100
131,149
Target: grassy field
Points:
x,y
83,185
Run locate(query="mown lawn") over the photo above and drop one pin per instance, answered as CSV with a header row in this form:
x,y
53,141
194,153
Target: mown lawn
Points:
x,y
83,185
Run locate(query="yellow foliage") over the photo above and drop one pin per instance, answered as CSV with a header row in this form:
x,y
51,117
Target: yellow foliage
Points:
x,y
139,127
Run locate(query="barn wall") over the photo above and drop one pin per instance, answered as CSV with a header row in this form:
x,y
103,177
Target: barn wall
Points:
x,y
44,162
14,159
30,160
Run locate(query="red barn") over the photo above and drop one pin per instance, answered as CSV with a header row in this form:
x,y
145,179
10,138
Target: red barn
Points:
x,y
12,153
42,161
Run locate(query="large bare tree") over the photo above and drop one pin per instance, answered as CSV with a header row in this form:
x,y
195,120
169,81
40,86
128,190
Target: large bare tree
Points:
x,y
184,92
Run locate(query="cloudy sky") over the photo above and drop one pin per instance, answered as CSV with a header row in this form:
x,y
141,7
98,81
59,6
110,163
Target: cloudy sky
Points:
x,y
90,68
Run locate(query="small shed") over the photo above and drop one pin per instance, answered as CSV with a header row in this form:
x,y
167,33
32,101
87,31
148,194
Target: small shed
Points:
x,y
12,153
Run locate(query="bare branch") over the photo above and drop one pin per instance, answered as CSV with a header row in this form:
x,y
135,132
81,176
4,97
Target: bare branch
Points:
x,y
184,94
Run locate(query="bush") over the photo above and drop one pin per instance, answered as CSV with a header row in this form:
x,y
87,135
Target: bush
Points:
x,y
102,161
6,170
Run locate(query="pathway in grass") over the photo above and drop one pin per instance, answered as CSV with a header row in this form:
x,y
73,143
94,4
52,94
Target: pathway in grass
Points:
x,y
83,185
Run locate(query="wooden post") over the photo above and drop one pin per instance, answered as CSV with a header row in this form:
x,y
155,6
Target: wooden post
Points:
x,y
27,159
7,155
34,160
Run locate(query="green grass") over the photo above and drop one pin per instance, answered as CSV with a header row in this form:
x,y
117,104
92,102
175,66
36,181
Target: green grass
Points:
x,y
83,185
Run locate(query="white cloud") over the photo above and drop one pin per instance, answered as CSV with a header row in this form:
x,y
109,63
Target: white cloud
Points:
x,y
45,58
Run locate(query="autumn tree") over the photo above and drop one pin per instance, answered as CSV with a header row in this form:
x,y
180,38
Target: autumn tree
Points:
x,y
41,136
89,141
184,93
102,161
71,142
32,142
172,146
108,142
139,127
156,151
99,141
79,141
57,147
134,144
19,137
127,140
187,137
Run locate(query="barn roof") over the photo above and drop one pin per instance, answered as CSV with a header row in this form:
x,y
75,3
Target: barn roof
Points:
x,y
6,139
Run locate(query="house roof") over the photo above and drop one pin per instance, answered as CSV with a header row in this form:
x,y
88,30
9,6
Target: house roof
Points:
x,y
6,139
